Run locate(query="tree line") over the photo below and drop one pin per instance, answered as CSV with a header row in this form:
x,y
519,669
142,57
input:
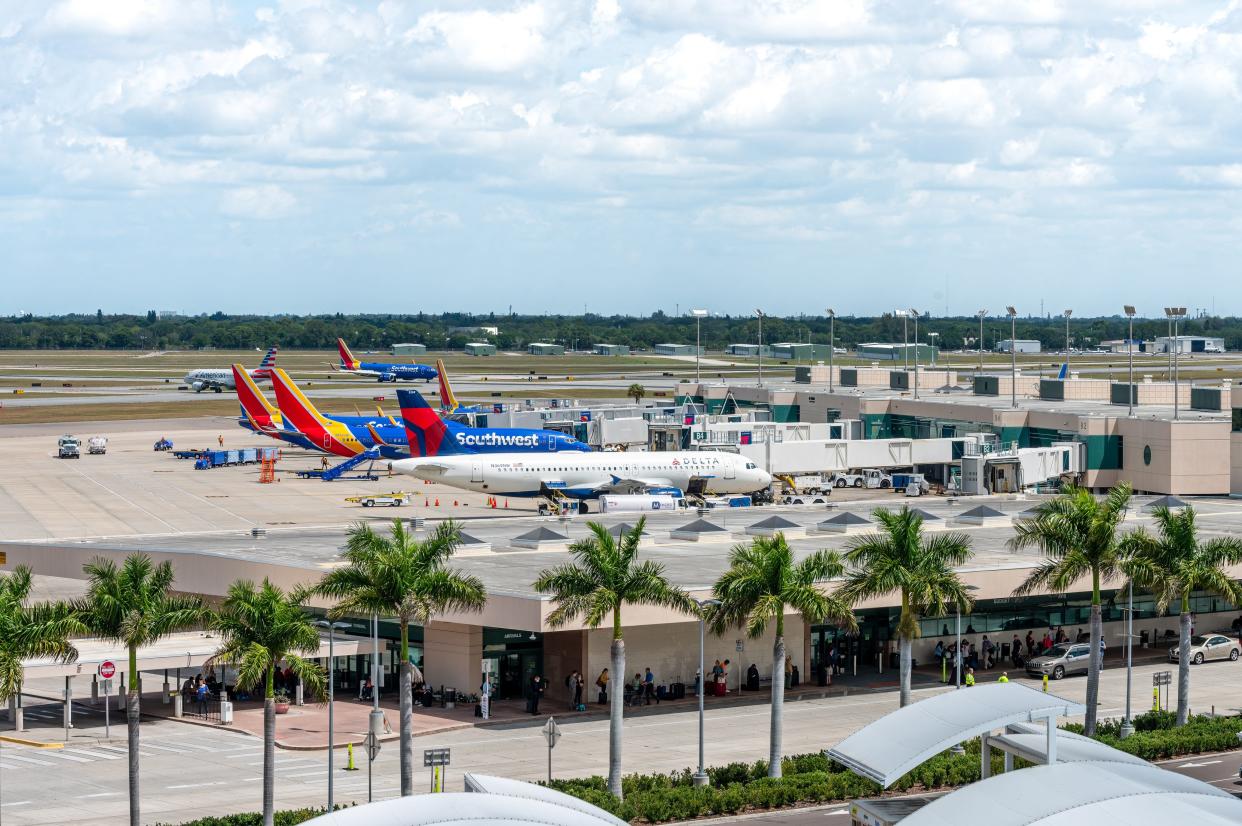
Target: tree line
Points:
x,y
451,331
395,574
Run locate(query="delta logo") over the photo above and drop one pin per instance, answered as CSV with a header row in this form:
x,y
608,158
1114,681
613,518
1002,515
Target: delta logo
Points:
x,y
491,439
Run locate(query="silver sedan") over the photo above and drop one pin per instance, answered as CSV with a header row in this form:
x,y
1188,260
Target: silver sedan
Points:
x,y
1209,647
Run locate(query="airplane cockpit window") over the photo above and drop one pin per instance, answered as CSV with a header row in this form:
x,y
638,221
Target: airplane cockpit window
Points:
x,y
751,466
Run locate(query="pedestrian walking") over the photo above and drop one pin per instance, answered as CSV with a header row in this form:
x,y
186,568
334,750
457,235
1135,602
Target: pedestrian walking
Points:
x,y
579,683
536,690
601,682
571,687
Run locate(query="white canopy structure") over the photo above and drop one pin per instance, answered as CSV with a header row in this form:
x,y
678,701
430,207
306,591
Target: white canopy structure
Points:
x,y
1082,794
898,742
488,801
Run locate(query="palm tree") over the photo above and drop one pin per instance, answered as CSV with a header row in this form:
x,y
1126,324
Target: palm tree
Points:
x,y
899,559
399,575
261,626
1173,566
26,631
1078,535
605,576
132,605
636,392
762,581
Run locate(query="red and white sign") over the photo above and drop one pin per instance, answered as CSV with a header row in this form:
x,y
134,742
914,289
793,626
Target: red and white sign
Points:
x,y
107,669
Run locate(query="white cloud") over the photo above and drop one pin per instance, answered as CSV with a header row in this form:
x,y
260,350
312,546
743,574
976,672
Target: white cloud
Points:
x,y
261,202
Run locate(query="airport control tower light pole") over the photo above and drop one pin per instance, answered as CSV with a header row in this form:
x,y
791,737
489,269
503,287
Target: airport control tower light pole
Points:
x,y
982,315
704,605
832,343
1175,314
1067,315
915,314
759,313
1013,356
698,340
1129,308
904,315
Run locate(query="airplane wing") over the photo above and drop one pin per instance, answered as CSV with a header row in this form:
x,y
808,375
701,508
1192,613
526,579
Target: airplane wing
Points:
x,y
636,485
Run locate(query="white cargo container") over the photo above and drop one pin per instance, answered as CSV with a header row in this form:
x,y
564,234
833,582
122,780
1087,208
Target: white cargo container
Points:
x,y
639,503
98,444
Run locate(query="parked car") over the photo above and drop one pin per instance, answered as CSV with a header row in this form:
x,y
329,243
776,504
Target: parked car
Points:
x,y
1208,647
1060,660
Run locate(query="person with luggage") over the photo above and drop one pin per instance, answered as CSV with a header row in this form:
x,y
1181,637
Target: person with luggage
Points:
x,y
1015,652
649,688
579,684
571,683
536,691
601,682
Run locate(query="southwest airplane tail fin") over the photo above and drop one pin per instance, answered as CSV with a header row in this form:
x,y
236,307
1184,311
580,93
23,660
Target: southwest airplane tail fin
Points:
x,y
424,429
347,358
258,408
448,401
1061,376
302,414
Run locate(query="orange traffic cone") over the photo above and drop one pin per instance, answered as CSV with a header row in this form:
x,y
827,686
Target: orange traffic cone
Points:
x,y
506,504
454,503
426,502
437,501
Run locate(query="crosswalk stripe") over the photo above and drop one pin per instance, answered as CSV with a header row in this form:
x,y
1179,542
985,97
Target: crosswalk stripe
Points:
x,y
103,755
61,754
166,748
29,760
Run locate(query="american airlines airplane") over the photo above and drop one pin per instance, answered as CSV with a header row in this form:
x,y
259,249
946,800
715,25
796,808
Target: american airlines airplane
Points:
x,y
218,380
588,475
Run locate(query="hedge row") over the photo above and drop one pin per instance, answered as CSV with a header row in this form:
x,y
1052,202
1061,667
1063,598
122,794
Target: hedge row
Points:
x,y
812,778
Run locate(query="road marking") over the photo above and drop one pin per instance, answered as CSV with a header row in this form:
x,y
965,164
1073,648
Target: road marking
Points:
x,y
289,762
306,774
98,794
200,785
30,760
1197,765
61,754
17,803
103,755
166,748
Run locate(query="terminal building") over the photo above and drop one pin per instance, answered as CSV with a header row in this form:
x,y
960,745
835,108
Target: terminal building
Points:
x,y
1021,345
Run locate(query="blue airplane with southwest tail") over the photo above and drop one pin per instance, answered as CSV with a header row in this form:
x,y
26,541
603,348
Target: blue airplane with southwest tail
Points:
x,y
431,435
381,370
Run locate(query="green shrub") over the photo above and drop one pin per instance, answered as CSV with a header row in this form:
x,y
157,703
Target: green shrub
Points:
x,y
282,818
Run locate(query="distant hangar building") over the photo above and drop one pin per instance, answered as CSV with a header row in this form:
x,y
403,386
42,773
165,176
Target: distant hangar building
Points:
x,y
800,351
409,349
480,348
612,350
1189,344
748,350
674,349
879,351
543,348
1021,345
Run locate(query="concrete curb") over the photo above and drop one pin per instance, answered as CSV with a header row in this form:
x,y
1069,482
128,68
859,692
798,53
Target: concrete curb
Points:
x,y
34,744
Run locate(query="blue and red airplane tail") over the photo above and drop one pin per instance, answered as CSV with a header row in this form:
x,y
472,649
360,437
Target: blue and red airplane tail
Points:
x,y
425,431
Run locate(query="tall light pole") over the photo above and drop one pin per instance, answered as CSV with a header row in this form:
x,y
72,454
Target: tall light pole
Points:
x,y
915,314
1013,356
698,346
759,313
1067,315
700,777
332,628
376,723
1127,727
904,315
1129,308
1175,314
982,315
832,343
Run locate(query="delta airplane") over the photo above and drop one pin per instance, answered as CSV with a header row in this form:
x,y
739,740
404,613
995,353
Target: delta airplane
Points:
x,y
218,380
380,370
427,434
582,476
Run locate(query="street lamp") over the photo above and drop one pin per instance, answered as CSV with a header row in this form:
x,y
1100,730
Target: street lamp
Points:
x,y
982,315
698,346
700,777
904,315
1129,308
332,629
1067,315
933,340
760,314
1013,356
376,722
832,342
1175,314
915,314
1127,725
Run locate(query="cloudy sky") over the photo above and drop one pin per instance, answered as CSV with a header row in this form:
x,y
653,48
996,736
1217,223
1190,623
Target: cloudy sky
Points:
x,y
622,155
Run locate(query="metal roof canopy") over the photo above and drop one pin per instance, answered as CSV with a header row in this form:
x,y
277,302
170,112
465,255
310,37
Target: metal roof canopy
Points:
x,y
1030,742
488,801
1082,794
898,742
